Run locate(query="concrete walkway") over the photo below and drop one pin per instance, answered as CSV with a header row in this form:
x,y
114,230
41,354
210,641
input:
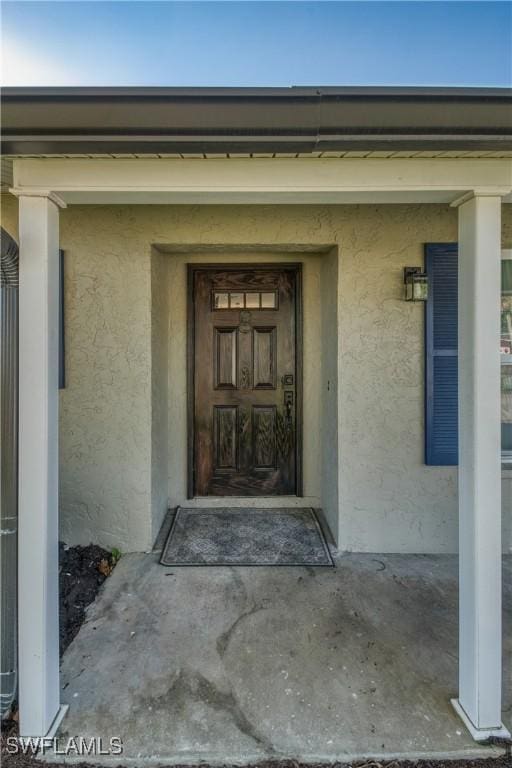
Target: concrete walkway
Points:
x,y
240,664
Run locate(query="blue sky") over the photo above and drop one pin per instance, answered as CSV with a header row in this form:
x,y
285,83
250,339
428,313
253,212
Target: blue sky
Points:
x,y
256,43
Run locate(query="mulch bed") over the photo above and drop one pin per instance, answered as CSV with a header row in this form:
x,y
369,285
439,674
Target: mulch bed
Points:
x,y
82,571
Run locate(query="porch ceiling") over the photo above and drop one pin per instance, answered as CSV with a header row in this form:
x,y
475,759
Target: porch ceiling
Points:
x,y
357,153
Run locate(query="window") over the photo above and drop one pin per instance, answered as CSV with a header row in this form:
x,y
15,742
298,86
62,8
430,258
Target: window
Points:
x,y
506,356
249,300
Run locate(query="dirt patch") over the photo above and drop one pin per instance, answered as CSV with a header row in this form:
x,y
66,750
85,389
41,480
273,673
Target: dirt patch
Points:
x,y
82,571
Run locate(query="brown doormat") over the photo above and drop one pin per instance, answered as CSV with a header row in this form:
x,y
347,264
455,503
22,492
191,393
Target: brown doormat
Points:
x,y
244,536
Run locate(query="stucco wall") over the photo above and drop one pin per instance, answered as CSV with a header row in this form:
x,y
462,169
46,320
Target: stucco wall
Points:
x,y
389,501
160,427
330,391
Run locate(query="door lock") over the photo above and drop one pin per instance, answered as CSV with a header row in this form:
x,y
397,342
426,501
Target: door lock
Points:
x,y
288,403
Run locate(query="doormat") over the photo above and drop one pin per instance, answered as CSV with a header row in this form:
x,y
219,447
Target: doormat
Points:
x,y
244,536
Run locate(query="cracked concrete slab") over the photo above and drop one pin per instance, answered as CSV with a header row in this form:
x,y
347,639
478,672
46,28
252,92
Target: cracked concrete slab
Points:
x,y
240,664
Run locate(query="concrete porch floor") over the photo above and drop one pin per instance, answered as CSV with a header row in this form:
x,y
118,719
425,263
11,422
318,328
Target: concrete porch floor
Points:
x,y
240,664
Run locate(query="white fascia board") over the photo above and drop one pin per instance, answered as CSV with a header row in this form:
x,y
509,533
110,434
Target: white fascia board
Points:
x,y
249,179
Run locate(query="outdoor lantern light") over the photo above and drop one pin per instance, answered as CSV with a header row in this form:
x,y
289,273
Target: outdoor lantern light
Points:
x,y
416,284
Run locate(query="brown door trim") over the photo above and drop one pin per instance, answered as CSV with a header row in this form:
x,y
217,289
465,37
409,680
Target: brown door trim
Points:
x,y
191,270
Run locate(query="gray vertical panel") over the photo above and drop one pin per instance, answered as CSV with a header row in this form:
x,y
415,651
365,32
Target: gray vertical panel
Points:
x,y
8,493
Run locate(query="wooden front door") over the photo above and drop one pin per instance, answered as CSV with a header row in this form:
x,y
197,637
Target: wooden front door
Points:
x,y
244,373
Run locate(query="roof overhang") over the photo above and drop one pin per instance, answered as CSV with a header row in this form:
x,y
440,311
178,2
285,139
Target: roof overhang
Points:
x,y
43,121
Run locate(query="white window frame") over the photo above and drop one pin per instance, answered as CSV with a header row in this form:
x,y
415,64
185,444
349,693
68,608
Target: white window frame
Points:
x,y
506,456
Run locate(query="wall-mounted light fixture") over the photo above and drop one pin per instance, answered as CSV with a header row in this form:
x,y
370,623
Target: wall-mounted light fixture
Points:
x,y
416,284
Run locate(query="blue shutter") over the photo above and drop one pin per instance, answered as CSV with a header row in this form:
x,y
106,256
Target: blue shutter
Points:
x,y
62,366
441,377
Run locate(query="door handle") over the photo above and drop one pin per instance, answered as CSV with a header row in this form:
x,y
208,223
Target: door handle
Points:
x,y
288,403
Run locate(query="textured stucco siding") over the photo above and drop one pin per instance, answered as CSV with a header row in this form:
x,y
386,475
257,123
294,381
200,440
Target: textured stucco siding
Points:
x,y
112,410
389,499
330,390
160,432
105,421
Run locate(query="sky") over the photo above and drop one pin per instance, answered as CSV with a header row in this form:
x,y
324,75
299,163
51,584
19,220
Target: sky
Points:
x,y
251,43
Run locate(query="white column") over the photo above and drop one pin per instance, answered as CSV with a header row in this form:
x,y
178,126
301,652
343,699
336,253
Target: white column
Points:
x,y
479,702
38,587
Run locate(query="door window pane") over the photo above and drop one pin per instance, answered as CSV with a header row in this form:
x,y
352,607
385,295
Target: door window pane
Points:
x,y
236,300
252,300
221,301
268,300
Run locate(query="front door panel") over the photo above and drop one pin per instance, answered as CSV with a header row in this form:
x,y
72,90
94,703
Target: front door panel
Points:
x,y
245,435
